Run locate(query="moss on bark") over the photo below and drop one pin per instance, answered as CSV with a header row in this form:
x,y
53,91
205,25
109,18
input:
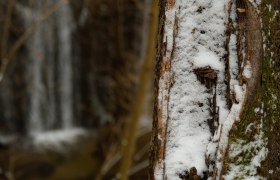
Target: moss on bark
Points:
x,y
266,97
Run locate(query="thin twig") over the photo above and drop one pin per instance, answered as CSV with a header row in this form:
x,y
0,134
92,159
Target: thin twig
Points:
x,y
115,155
112,158
138,167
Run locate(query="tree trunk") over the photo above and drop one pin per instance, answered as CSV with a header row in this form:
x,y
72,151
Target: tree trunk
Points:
x,y
217,90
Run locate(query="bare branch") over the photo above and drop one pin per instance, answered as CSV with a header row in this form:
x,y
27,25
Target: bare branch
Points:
x,y
111,159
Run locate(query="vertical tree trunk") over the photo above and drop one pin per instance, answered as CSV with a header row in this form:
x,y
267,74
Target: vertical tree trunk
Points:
x,y
216,97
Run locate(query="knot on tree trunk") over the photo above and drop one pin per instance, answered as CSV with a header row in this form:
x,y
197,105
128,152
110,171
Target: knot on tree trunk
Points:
x,y
191,175
207,76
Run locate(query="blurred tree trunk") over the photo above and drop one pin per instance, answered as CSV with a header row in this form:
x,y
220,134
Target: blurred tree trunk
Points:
x,y
259,25
110,46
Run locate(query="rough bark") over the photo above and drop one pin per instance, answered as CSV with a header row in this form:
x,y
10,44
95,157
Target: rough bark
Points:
x,y
257,31
159,129
265,93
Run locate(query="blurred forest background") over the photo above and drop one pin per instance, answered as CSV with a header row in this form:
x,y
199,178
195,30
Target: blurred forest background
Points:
x,y
76,88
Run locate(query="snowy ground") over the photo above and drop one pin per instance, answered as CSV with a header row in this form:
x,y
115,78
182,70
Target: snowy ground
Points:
x,y
57,139
52,140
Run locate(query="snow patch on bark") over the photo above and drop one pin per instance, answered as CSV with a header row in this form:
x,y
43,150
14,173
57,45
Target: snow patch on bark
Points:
x,y
158,174
225,127
199,43
233,61
252,152
247,72
206,58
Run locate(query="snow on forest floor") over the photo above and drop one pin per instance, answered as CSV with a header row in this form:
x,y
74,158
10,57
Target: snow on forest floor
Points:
x,y
52,139
199,43
56,139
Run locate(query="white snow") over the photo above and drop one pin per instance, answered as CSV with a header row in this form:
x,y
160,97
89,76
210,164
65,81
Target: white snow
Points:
x,y
7,139
247,72
56,139
169,24
199,43
249,128
256,2
233,61
225,128
159,171
252,152
255,152
206,58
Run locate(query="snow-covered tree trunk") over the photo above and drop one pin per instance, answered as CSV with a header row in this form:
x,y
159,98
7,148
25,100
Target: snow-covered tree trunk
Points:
x,y
213,113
